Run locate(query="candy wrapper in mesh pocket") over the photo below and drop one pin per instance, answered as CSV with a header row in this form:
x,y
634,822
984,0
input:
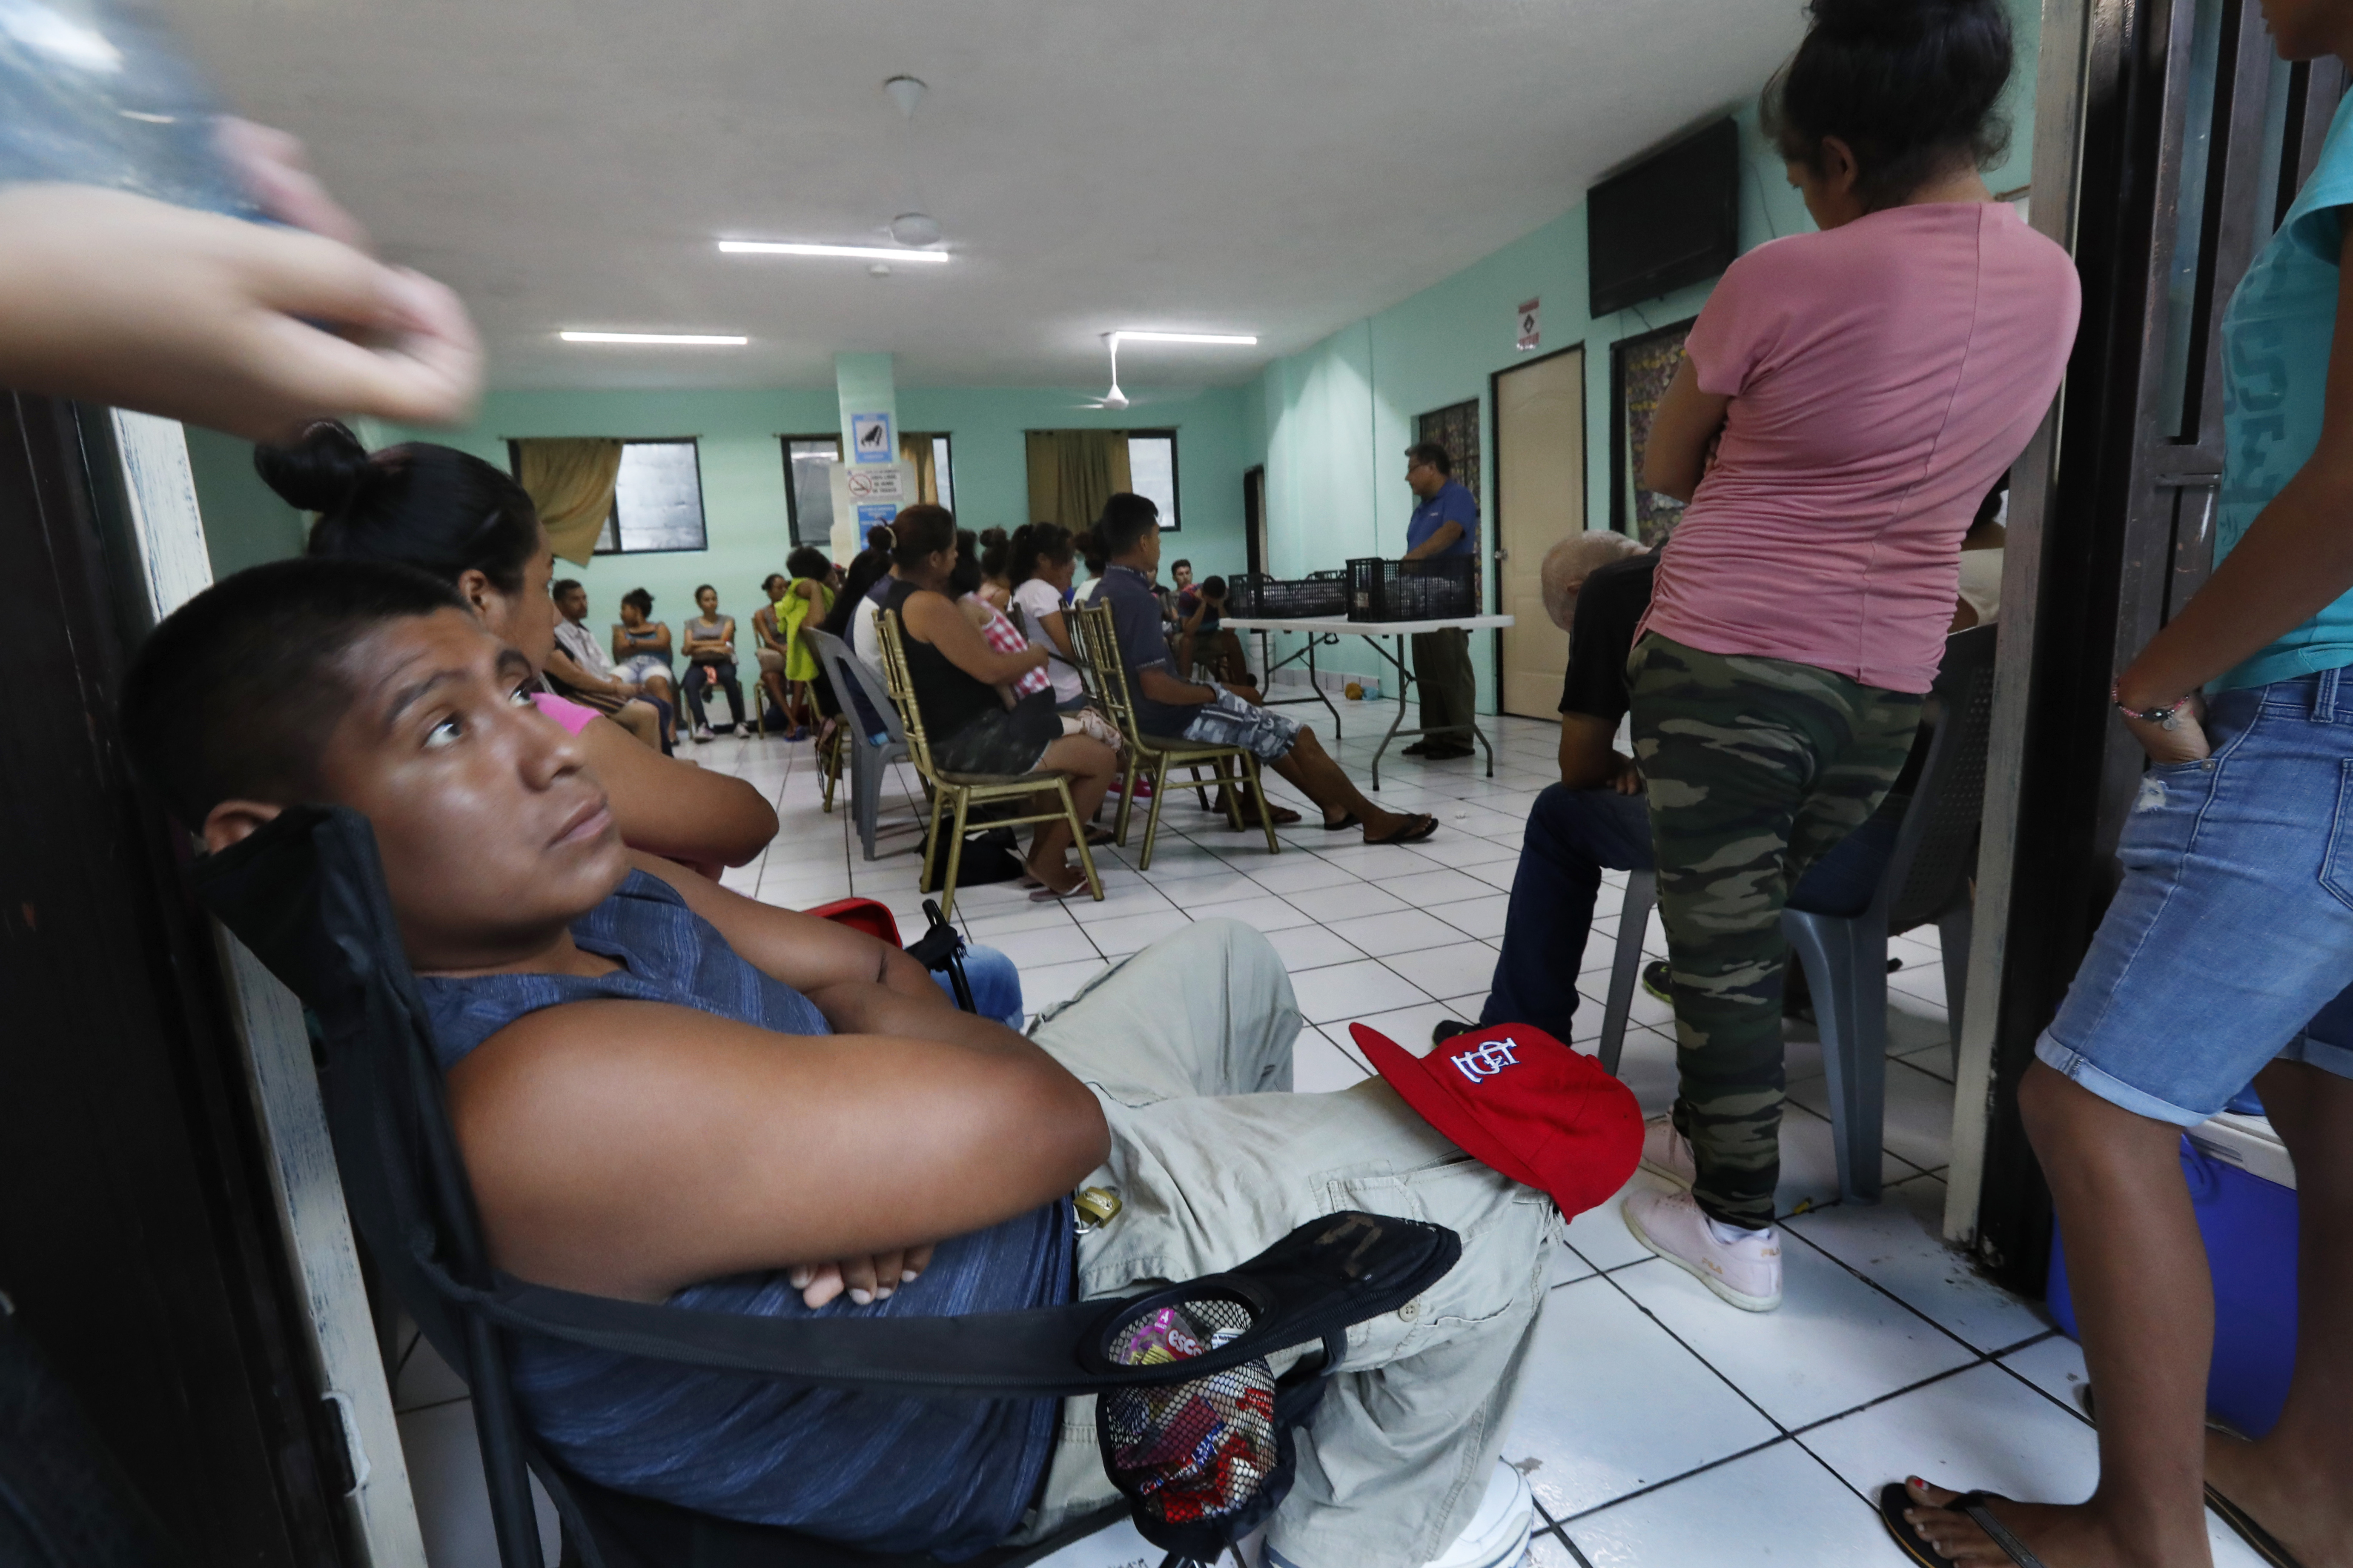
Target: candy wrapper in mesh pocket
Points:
x,y
1206,1446
1200,1449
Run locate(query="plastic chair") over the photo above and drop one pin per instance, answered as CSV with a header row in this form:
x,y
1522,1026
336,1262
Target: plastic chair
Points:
x,y
1926,882
1153,755
876,739
960,793
306,893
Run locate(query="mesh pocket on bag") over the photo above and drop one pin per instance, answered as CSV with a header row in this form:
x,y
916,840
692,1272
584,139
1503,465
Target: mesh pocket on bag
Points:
x,y
1200,1452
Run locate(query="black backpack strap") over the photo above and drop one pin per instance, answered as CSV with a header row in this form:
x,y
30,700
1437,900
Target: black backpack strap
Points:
x,y
307,894
1307,1288
941,948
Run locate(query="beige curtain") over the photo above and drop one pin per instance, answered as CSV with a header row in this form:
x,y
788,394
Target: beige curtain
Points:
x,y
1074,472
570,481
916,450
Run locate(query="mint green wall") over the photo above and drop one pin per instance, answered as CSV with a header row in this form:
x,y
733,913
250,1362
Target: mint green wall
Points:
x,y
245,522
743,474
1332,422
992,462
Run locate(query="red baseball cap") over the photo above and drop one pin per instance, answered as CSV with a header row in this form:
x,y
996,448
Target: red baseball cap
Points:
x,y
1522,1103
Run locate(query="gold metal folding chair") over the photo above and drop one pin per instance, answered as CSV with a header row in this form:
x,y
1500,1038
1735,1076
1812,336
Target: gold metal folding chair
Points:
x,y
1153,755
960,793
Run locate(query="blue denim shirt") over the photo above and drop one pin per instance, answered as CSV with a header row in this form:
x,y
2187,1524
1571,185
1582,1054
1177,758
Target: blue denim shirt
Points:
x,y
950,1476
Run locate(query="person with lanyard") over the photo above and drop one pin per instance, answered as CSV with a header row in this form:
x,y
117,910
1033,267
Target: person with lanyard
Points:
x,y
1445,523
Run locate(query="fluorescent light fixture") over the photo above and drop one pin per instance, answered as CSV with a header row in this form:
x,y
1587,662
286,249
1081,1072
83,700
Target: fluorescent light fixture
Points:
x,y
858,252
1125,336
692,340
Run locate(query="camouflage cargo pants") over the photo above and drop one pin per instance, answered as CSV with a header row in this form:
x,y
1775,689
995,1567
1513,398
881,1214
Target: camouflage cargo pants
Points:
x,y
1757,768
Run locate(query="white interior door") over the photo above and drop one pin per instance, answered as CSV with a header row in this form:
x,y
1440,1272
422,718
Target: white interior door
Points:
x,y
1539,500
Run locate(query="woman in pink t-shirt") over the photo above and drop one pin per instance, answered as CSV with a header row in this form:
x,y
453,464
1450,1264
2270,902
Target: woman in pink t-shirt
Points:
x,y
1847,397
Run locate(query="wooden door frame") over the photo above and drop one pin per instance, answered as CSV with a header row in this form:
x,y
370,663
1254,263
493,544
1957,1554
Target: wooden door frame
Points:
x,y
1494,443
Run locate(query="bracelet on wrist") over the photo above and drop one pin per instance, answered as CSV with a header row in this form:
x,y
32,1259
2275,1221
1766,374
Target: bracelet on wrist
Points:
x,y
2167,718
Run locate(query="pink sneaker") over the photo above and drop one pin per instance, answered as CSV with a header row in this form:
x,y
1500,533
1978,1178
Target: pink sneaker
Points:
x,y
1746,1273
1666,1155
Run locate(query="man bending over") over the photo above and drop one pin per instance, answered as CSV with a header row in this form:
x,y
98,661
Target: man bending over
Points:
x,y
1167,704
665,1092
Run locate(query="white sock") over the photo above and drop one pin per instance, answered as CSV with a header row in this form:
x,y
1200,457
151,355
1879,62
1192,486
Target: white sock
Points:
x,y
1734,1235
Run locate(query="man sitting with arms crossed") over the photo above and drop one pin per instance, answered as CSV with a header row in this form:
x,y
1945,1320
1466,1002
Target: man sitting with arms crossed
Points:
x,y
665,1092
1166,705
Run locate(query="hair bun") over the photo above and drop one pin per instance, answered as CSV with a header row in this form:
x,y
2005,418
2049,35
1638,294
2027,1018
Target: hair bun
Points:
x,y
321,472
1891,21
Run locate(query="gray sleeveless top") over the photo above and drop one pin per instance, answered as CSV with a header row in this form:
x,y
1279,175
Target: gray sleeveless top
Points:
x,y
950,1476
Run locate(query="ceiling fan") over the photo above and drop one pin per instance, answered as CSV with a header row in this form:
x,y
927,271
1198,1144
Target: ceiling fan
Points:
x,y
1115,398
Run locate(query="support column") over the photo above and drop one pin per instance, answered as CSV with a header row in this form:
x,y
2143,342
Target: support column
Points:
x,y
871,484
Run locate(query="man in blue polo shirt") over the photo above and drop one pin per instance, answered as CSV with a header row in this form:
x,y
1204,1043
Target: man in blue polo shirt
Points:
x,y
1446,523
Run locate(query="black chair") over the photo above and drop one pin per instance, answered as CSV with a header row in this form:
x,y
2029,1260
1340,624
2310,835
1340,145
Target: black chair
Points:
x,y
1927,882
306,894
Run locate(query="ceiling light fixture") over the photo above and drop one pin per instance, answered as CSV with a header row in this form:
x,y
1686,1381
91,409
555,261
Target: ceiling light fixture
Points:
x,y
857,252
1124,335
692,340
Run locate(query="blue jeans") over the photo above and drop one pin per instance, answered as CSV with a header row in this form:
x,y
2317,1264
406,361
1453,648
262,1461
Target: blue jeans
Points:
x,y
2231,940
996,985
1573,836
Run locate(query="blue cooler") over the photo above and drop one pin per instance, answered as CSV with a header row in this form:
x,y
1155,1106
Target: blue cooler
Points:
x,y
2245,1194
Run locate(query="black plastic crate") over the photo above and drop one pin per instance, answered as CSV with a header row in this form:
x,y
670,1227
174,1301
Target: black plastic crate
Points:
x,y
1438,589
1260,596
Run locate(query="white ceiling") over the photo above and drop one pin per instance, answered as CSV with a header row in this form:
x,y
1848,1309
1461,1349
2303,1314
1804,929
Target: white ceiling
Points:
x,y
1275,166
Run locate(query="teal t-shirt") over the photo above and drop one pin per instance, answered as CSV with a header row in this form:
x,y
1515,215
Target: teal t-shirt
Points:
x,y
2276,336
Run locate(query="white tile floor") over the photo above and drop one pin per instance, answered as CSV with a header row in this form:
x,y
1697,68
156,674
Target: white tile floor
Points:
x,y
1657,1426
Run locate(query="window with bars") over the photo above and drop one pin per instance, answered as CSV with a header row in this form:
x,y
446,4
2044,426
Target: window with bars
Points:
x,y
657,500
1152,471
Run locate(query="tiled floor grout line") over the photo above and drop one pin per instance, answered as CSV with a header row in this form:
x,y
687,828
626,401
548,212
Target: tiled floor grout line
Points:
x,y
1521,775
1977,1356
1778,1437
1560,1533
1883,1289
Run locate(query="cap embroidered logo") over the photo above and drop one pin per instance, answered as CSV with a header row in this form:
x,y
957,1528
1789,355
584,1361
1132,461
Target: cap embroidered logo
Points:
x,y
1487,1061
1554,1121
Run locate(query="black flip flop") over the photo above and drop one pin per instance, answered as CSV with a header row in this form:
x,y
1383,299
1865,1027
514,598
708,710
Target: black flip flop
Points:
x,y
1347,820
1416,829
1894,1499
2264,1544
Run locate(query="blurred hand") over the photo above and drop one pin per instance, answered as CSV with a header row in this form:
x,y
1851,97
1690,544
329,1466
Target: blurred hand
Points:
x,y
117,299
278,177
1624,776
2185,742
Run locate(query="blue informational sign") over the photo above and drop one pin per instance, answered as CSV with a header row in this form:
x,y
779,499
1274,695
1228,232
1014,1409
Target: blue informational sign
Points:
x,y
869,439
872,515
